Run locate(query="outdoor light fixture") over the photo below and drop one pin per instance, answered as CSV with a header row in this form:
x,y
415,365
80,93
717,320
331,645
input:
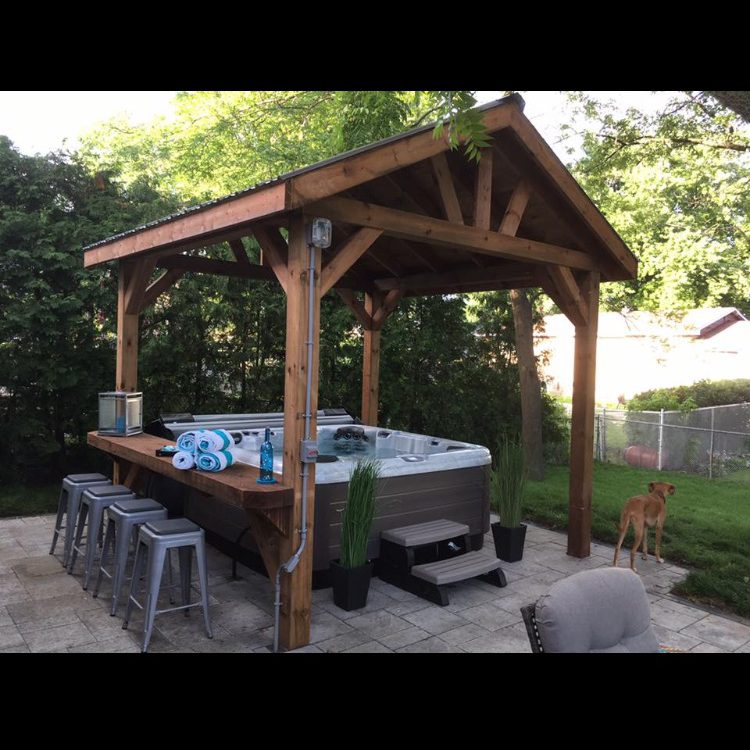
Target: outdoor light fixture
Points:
x,y
320,233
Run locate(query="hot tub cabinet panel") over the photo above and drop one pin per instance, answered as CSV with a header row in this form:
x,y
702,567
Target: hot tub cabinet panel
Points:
x,y
460,495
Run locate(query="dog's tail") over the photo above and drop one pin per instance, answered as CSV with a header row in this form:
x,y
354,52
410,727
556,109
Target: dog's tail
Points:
x,y
624,520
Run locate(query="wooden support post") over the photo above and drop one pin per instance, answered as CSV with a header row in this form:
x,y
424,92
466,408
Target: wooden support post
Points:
x,y
296,589
127,332
582,426
371,362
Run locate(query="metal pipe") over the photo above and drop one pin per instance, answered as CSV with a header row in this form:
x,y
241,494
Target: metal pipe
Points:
x,y
293,561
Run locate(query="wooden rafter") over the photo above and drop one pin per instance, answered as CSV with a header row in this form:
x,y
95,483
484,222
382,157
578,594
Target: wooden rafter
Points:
x,y
389,157
239,251
519,199
435,231
275,252
158,287
444,178
483,191
350,251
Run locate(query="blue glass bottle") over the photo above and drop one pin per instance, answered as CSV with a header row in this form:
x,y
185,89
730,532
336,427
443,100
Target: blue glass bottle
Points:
x,y
266,460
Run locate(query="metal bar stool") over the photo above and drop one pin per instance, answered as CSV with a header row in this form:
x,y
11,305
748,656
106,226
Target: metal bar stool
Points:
x,y
155,539
94,501
73,486
124,518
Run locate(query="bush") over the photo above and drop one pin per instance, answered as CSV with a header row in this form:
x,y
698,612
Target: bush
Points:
x,y
695,396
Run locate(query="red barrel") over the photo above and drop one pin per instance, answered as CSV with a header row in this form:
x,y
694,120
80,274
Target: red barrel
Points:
x,y
642,457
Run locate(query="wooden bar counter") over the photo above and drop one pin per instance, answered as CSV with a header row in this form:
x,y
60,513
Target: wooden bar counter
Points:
x,y
235,485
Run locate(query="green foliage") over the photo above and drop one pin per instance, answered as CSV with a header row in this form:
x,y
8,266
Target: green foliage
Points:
x,y
710,538
686,397
358,514
56,319
674,185
507,481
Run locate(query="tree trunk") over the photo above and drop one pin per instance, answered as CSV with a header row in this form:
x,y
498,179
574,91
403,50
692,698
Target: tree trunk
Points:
x,y
531,394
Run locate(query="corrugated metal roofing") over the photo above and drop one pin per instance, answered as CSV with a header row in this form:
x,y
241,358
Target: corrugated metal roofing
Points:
x,y
289,175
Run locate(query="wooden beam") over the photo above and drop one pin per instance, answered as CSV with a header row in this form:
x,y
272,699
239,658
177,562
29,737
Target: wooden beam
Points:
x,y
476,286
502,274
548,161
568,298
582,423
519,199
444,178
350,251
200,225
239,251
217,267
137,285
275,252
483,191
166,280
435,231
371,361
343,174
296,591
356,307
389,304
126,369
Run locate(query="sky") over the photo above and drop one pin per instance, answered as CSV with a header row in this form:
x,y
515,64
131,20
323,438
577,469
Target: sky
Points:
x,y
43,121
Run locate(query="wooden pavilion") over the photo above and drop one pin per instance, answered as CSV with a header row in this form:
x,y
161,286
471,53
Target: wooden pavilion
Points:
x,y
410,217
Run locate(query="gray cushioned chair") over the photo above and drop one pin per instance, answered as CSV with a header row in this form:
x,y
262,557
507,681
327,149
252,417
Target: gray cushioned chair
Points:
x,y
605,610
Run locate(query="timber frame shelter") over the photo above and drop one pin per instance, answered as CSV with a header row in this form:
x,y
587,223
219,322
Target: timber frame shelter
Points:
x,y
410,218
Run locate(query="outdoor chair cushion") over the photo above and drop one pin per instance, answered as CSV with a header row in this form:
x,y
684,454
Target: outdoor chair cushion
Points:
x,y
602,610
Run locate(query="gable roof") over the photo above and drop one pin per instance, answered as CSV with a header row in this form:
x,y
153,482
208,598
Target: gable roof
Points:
x,y
377,185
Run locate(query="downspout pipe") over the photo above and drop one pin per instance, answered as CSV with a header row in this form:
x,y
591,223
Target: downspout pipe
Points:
x,y
293,561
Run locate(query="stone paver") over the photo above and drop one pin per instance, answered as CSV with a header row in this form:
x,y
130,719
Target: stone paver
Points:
x,y
44,610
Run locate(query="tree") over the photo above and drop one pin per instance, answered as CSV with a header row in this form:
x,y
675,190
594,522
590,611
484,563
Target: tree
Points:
x,y
674,185
56,335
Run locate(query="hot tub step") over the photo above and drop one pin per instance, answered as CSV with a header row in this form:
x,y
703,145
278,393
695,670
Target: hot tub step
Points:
x,y
461,568
425,533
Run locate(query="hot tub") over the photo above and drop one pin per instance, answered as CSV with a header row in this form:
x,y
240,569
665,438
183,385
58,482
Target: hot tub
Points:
x,y
423,478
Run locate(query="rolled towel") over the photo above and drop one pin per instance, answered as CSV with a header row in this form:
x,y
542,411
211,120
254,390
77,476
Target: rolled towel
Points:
x,y
211,441
183,460
216,461
188,440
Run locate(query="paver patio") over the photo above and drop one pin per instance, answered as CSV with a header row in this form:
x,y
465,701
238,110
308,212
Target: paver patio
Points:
x,y
42,609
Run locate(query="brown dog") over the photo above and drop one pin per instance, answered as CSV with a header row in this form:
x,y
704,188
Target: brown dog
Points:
x,y
641,511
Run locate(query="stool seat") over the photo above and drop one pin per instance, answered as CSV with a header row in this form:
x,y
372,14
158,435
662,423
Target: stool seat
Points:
x,y
155,541
172,526
94,501
73,486
124,519
85,478
109,490
139,505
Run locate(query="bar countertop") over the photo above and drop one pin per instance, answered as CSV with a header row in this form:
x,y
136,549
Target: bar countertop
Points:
x,y
236,484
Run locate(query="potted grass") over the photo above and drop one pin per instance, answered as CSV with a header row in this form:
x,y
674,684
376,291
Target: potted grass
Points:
x,y
507,483
351,573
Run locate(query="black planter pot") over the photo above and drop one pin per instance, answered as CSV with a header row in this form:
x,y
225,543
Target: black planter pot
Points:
x,y
509,542
350,585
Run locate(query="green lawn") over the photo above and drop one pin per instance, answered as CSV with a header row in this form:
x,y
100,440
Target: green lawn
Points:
x,y
707,527
21,500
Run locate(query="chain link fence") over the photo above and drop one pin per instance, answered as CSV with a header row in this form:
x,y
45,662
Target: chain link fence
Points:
x,y
713,441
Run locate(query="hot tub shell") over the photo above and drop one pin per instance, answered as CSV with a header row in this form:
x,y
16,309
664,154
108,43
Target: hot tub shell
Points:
x,y
423,478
